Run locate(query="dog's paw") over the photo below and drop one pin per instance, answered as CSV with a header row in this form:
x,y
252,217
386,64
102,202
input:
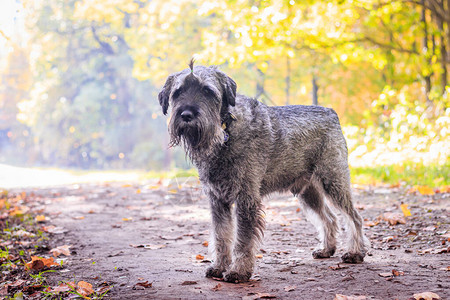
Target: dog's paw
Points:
x,y
214,272
235,277
323,253
353,258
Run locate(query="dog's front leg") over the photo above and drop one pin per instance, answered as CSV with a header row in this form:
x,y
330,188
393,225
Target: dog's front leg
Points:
x,y
250,226
221,237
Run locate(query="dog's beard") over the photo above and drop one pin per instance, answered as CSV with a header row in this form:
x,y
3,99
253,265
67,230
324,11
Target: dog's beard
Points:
x,y
199,137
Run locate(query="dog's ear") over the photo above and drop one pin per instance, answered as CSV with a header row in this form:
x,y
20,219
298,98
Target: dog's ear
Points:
x,y
164,95
229,94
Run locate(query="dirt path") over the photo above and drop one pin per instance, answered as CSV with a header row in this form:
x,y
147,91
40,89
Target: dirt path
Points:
x,y
172,221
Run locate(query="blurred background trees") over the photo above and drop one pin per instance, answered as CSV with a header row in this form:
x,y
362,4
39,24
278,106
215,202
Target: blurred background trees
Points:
x,y
79,78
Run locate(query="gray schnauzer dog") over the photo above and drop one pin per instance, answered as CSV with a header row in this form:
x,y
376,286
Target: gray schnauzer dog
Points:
x,y
245,150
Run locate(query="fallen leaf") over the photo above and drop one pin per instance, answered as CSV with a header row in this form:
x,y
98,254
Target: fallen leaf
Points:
x,y
445,189
290,288
61,250
199,257
205,243
54,229
397,273
78,218
126,185
127,219
84,288
151,247
138,191
425,190
259,256
426,296
372,223
188,282
394,218
405,210
217,287
40,218
63,287
386,274
253,296
344,297
145,284
38,263
23,233
435,250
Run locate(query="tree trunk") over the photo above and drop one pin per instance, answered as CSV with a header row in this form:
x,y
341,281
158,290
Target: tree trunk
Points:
x,y
288,79
260,84
443,52
315,90
426,76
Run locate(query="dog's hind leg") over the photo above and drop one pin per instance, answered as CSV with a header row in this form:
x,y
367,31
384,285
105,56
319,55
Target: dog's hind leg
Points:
x,y
337,187
320,215
249,232
221,237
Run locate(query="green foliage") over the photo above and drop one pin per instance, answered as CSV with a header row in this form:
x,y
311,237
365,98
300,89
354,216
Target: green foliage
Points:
x,y
407,174
92,69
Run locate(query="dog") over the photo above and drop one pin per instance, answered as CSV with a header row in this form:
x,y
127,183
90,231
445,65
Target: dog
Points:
x,y
245,150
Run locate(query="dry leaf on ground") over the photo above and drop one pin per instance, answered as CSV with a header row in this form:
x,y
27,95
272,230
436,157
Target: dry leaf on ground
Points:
x,y
84,288
145,284
394,218
63,287
397,273
344,297
38,263
40,218
189,282
290,288
61,250
199,257
426,296
217,287
253,296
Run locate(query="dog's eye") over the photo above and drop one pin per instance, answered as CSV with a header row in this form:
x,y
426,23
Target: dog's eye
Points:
x,y
208,92
176,94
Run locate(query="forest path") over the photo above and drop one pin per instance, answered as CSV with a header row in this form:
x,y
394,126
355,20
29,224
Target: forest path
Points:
x,y
124,233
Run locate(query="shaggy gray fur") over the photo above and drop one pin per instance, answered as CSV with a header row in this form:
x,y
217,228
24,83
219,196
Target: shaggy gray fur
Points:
x,y
266,149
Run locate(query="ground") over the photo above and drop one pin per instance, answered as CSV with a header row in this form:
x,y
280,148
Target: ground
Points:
x,y
155,233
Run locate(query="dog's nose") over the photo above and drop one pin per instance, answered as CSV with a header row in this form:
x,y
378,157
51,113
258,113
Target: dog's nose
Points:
x,y
187,115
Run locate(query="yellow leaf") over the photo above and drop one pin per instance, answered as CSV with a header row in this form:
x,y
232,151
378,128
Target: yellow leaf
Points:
x,y
259,256
138,191
199,257
40,218
205,243
127,219
425,190
405,210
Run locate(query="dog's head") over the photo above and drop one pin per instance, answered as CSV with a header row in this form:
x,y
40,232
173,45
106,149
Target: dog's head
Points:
x,y
199,96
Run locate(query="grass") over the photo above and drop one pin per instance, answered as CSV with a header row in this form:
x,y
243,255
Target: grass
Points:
x,y
404,174
409,174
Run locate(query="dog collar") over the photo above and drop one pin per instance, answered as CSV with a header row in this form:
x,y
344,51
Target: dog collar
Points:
x,y
226,121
